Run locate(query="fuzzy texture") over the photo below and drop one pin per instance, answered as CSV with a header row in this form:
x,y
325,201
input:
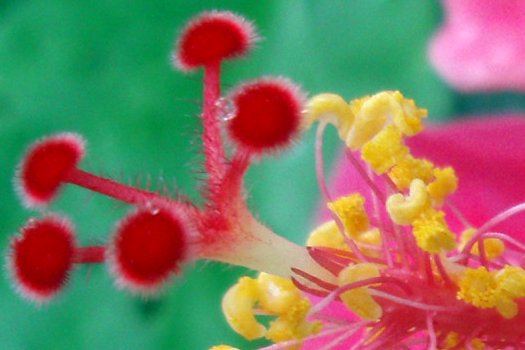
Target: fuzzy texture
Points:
x,y
212,37
481,45
267,115
46,166
147,249
41,257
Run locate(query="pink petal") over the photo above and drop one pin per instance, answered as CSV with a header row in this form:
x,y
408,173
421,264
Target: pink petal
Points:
x,y
481,45
488,155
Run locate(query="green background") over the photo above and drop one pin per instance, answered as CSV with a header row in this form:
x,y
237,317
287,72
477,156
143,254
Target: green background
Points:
x,y
101,68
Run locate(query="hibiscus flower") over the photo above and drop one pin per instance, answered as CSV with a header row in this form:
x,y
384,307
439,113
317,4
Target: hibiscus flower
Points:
x,y
404,260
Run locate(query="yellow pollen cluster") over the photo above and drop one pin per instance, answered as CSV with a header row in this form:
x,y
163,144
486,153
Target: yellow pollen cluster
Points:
x,y
404,210
493,289
223,347
359,299
410,168
268,295
444,184
385,150
376,125
432,233
327,235
350,209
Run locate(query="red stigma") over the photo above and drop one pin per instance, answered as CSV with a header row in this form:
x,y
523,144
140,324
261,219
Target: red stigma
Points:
x,y
47,164
267,116
148,247
212,37
42,257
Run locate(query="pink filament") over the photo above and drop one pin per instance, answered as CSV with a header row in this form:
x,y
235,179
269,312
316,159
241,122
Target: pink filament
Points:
x,y
319,166
211,135
114,189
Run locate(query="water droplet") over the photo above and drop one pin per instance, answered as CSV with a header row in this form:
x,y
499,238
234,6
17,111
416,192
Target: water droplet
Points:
x,y
152,208
225,109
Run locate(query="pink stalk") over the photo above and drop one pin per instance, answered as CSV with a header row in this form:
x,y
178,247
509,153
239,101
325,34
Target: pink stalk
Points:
x,y
313,279
324,259
319,166
364,175
410,303
338,340
431,333
480,236
441,269
300,285
363,283
378,211
211,135
502,217
114,189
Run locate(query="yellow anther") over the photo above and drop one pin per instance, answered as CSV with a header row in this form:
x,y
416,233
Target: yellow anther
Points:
x,y
446,182
478,287
432,233
359,300
332,109
409,122
237,306
507,307
404,210
371,115
511,281
498,289
350,209
223,347
327,235
292,324
410,168
372,237
451,340
277,294
494,247
385,150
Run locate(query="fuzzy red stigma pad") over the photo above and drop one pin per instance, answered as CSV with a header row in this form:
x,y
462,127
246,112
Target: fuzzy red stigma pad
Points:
x,y
267,115
147,249
212,37
47,164
42,256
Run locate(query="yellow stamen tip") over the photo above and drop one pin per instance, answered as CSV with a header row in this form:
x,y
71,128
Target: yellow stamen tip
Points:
x,y
359,300
493,289
277,294
385,150
223,347
237,306
327,235
410,168
350,209
445,183
404,210
432,233
332,109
